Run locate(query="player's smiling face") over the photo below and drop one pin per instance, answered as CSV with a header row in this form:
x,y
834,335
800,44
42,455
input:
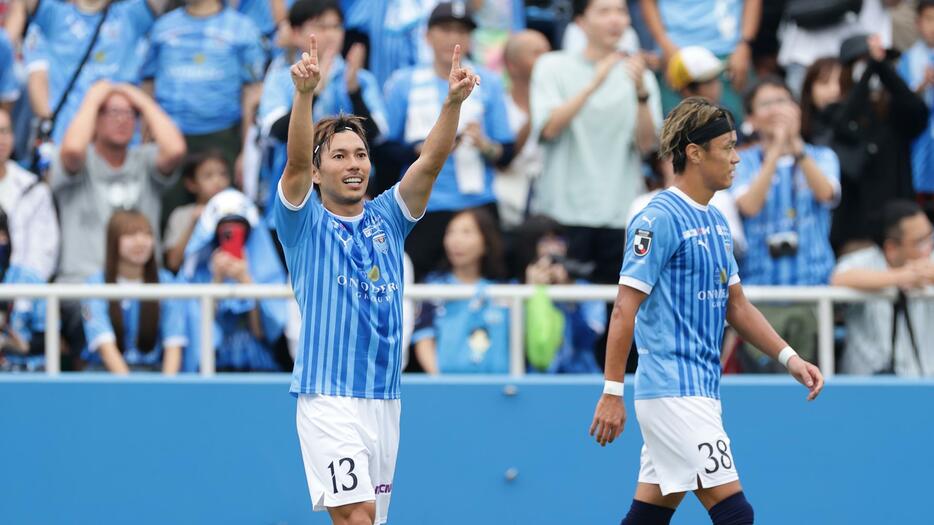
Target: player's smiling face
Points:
x,y
344,169
719,162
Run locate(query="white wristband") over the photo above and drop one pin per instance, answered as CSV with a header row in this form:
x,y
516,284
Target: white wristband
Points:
x,y
613,388
786,354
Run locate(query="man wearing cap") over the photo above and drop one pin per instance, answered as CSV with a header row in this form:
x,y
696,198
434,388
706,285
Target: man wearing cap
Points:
x,y
695,72
595,112
484,138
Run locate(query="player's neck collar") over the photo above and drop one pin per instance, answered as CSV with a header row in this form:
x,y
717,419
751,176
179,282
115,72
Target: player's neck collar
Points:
x,y
355,218
686,198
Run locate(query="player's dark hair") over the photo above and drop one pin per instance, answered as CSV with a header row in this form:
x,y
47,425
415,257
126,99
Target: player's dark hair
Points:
x,y
922,5
579,6
761,82
692,114
124,222
893,213
492,265
327,128
304,10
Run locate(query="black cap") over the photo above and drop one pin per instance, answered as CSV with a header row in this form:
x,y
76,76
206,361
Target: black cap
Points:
x,y
857,46
452,11
924,4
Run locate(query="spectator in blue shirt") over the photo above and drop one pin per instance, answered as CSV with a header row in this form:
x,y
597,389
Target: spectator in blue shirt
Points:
x,y
470,335
785,189
485,139
206,63
58,37
725,27
229,245
129,334
345,87
9,85
394,29
22,322
559,336
917,69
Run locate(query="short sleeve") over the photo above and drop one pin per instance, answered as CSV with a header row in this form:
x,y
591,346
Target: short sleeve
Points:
x,y
35,49
47,11
9,86
276,100
293,222
138,15
651,240
861,259
173,323
97,326
425,322
829,165
495,116
390,206
179,220
252,57
397,103
545,92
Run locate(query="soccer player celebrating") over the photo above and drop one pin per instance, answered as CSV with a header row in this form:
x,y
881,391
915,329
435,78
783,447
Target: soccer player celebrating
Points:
x,y
345,260
678,285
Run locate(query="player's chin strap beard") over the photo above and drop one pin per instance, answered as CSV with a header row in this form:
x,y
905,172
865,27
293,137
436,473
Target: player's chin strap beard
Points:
x,y
710,130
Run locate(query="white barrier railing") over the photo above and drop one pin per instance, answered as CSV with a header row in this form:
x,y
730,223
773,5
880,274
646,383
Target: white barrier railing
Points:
x,y
515,294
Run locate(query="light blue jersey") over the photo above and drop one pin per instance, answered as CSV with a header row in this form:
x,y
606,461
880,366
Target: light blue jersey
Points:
x,y
276,102
98,329
395,31
200,65
9,85
347,277
414,98
713,24
59,34
912,67
27,321
790,206
680,253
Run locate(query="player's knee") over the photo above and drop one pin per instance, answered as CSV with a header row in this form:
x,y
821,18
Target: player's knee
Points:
x,y
734,510
642,513
354,514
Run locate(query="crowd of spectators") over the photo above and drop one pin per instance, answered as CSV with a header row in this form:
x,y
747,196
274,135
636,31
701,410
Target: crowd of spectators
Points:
x,y
143,140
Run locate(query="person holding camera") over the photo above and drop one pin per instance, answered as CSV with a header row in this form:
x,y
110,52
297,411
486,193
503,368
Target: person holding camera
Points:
x,y
230,245
785,189
559,336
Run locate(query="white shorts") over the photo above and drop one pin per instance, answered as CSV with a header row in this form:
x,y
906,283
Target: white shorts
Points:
x,y
684,442
349,447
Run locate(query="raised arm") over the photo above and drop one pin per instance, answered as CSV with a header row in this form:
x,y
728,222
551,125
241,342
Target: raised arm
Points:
x,y
296,178
415,187
752,326
610,415
81,130
165,133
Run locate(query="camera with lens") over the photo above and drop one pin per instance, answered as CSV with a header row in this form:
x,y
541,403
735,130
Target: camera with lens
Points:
x,y
782,244
576,269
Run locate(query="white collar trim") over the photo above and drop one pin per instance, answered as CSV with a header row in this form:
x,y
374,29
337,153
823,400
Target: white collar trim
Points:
x,y
684,196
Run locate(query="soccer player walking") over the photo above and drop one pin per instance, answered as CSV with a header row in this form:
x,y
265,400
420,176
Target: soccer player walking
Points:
x,y
345,260
678,285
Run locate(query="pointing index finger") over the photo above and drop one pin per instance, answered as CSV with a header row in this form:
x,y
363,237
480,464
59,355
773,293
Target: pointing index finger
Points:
x,y
313,49
456,59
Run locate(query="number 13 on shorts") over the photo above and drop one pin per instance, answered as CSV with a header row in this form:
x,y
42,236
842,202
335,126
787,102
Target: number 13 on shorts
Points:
x,y
343,468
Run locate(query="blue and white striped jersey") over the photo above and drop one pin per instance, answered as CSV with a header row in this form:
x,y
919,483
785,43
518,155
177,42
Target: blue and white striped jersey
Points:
x,y
347,276
680,253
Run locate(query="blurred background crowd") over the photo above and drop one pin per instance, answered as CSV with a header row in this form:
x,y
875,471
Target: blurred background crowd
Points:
x,y
141,141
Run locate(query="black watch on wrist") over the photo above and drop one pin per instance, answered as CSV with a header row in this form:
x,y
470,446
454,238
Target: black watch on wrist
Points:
x,y
45,127
642,98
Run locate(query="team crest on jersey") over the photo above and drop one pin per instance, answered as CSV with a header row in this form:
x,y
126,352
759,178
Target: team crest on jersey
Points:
x,y
723,277
380,243
373,274
642,242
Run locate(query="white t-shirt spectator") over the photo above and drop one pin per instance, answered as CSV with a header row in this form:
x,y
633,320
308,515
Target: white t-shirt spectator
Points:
x,y
33,225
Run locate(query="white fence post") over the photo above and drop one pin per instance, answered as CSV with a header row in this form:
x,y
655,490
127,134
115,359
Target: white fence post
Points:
x,y
53,352
825,356
517,337
207,336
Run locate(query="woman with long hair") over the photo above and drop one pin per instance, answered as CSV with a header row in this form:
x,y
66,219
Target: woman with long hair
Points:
x,y
820,100
470,335
129,334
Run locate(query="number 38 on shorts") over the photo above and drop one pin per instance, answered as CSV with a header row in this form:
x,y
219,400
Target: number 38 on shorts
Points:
x,y
717,455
